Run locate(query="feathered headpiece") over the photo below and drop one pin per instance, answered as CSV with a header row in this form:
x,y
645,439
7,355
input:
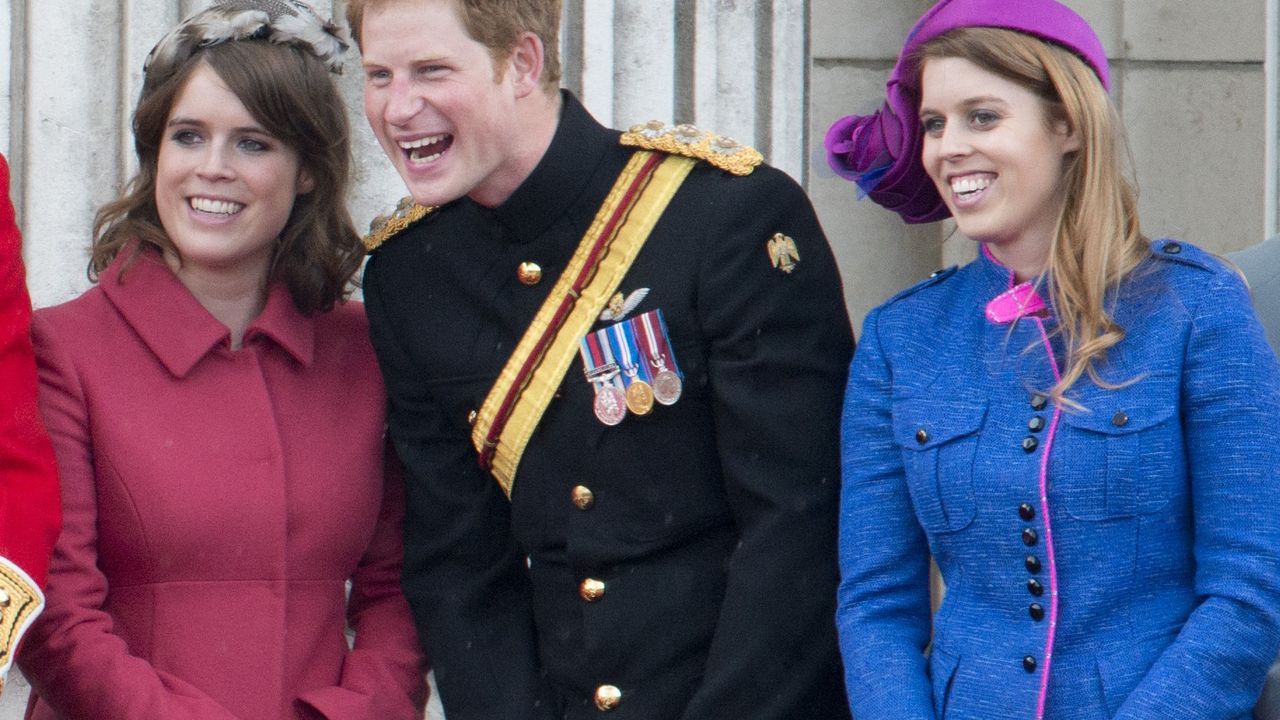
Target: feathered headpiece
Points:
x,y
881,151
286,22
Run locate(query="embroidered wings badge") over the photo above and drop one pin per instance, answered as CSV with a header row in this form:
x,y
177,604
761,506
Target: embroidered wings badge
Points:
x,y
620,306
783,253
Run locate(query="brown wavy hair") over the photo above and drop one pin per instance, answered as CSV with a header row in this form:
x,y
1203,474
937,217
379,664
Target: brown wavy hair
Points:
x,y
290,94
496,24
1098,241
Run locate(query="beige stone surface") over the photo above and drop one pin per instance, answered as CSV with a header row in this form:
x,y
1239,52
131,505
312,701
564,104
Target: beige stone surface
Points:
x,y
1195,30
1106,18
862,29
14,701
874,29
1197,139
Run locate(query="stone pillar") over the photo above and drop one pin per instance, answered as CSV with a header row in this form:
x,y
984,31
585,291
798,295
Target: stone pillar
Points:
x,y
71,78
737,68
1272,73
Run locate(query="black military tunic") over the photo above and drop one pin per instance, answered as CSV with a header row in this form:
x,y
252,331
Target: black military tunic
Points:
x,y
677,565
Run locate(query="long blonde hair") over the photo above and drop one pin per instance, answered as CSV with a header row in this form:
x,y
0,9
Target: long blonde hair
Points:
x,y
1098,239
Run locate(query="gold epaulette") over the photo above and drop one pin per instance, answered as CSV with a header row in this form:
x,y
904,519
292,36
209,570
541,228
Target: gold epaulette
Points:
x,y
20,602
725,153
385,227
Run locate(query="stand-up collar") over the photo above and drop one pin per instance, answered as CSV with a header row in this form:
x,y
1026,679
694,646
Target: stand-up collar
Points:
x,y
993,269
560,177
1008,300
178,330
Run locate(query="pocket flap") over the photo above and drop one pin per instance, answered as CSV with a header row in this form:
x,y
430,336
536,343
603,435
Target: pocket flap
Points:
x,y
1118,418
1133,408
925,423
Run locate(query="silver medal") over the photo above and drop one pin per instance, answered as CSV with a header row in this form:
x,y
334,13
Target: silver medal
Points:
x,y
667,387
610,404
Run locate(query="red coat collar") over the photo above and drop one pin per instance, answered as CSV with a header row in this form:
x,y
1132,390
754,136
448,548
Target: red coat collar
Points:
x,y
176,327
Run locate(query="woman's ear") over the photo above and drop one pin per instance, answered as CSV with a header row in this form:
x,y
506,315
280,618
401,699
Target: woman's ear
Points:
x,y
1069,136
305,182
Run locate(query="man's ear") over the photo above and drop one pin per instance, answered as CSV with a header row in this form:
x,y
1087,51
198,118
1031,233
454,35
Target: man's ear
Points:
x,y
526,64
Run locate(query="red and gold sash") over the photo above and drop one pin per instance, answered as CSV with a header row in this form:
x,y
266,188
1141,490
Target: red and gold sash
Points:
x,y
516,402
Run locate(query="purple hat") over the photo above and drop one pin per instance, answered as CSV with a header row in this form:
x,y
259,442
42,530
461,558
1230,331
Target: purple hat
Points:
x,y
881,152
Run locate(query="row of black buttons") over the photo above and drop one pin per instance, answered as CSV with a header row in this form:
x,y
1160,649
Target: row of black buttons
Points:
x,y
1030,538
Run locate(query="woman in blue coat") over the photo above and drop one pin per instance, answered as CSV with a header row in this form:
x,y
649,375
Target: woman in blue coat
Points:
x,y
1082,426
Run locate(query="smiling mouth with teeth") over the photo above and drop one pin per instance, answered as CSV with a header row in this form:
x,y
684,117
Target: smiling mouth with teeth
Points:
x,y
215,207
970,184
427,149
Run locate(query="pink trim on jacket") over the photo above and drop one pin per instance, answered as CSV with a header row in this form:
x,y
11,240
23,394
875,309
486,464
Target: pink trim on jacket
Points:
x,y
1048,531
1020,301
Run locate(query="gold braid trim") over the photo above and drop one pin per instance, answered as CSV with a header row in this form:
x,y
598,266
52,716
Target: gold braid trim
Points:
x,y
688,141
20,602
385,227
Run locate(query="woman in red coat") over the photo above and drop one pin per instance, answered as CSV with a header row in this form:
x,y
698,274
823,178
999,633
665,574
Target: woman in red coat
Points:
x,y
218,414
29,512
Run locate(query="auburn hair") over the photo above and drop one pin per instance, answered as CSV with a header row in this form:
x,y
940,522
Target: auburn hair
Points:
x,y
496,24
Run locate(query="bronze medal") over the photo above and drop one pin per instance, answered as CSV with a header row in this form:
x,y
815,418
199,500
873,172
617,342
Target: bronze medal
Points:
x,y
640,397
610,405
667,387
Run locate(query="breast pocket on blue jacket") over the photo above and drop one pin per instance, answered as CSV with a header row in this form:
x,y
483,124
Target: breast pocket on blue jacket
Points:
x,y
939,441
1122,458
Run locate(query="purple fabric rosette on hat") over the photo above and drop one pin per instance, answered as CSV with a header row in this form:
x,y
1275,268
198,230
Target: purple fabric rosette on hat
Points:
x,y
881,152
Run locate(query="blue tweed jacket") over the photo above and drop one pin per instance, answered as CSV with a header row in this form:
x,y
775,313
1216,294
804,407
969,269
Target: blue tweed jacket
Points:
x,y
1119,561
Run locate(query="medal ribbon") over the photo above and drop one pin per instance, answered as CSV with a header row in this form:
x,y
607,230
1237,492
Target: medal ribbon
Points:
x,y
649,346
633,346
593,360
523,390
654,345
600,345
624,343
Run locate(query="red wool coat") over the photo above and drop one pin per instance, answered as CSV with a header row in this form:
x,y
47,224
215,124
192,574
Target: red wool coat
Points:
x,y
29,483
29,512
215,503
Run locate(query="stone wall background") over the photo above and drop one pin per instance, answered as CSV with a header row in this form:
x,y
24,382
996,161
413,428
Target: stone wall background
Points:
x,y
73,72
1197,83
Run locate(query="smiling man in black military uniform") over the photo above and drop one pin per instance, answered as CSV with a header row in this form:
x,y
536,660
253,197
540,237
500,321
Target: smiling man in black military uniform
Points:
x,y
615,365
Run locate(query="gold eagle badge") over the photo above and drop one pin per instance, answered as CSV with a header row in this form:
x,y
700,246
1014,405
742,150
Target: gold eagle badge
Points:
x,y
783,253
